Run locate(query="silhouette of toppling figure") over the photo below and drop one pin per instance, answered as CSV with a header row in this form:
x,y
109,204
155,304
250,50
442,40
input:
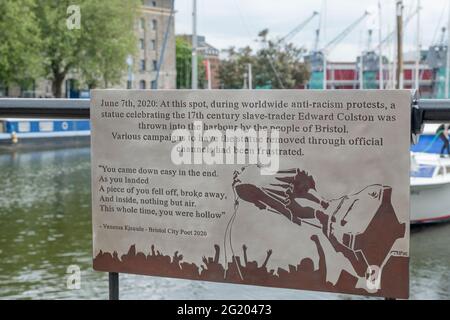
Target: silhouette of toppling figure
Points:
x,y
352,224
282,200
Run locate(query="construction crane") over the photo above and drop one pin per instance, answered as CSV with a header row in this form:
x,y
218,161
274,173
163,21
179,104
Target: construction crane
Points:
x,y
443,30
393,33
316,40
298,28
285,39
317,58
437,60
333,43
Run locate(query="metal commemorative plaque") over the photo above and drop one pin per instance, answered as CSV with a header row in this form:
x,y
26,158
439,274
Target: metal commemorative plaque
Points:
x,y
280,188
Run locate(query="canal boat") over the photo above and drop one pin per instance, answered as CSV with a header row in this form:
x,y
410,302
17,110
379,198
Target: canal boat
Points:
x,y
19,133
430,188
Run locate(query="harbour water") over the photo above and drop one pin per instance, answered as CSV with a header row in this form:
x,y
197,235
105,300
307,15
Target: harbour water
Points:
x,y
45,227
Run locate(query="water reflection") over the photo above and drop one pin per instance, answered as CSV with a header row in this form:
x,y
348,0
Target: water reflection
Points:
x,y
45,226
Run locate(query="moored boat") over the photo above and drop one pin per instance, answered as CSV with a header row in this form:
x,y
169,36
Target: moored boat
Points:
x,y
430,188
20,133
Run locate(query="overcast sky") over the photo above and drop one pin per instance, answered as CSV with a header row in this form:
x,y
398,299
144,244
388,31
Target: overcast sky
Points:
x,y
236,23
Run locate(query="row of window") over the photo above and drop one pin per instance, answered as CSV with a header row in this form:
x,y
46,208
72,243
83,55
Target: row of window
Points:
x,y
47,126
152,44
143,65
143,84
153,24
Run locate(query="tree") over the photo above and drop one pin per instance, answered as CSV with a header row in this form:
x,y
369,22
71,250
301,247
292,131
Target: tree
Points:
x,y
277,63
109,40
97,50
184,65
233,69
19,43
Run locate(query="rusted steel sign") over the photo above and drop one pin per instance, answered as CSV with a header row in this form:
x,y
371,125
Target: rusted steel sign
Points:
x,y
291,189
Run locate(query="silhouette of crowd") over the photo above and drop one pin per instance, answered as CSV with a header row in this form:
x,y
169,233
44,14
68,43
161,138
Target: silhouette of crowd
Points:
x,y
239,269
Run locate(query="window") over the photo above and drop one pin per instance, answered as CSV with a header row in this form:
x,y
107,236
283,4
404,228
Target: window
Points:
x,y
153,84
142,43
142,65
154,3
154,24
24,126
153,45
129,84
142,23
142,84
45,126
155,65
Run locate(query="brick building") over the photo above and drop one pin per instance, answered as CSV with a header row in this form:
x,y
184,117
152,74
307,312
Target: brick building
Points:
x,y
150,28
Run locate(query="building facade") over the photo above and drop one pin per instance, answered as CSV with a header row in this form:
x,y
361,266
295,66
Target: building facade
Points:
x,y
151,28
348,75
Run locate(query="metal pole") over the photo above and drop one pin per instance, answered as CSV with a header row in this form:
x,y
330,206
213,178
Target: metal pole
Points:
x,y
45,108
323,18
399,78
361,72
432,110
435,110
250,76
418,55
208,73
194,45
380,49
325,70
113,285
155,84
447,66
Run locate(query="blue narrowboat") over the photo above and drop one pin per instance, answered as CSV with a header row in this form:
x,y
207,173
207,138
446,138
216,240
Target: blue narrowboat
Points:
x,y
18,132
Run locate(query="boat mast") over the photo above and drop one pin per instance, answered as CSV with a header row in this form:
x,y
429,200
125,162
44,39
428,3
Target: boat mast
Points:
x,y
194,45
323,17
380,50
399,75
418,54
447,66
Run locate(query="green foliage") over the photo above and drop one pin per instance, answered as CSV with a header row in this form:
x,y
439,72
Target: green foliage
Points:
x,y
60,46
276,63
97,50
184,65
232,69
35,41
107,39
19,42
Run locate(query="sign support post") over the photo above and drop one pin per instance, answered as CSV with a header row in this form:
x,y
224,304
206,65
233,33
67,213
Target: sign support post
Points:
x,y
113,286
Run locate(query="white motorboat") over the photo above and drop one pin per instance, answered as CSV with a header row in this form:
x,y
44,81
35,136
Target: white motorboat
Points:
x,y
430,188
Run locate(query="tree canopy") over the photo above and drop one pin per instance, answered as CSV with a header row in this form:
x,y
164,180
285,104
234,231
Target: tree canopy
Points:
x,y
35,41
19,42
184,65
277,64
